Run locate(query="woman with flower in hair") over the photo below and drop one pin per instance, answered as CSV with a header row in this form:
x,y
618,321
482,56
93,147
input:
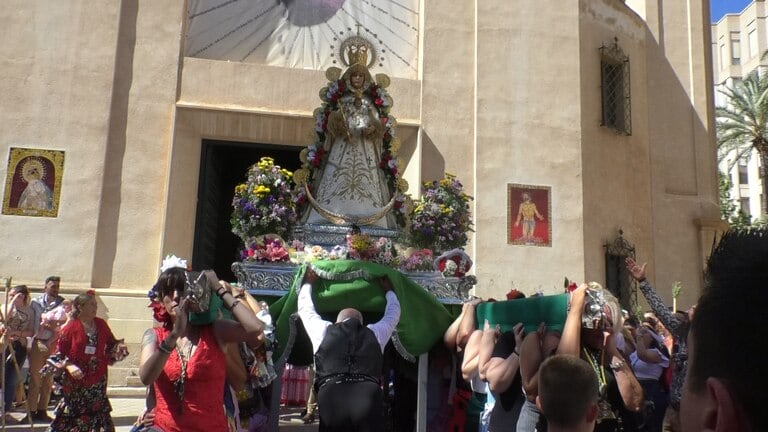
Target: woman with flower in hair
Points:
x,y
85,348
184,359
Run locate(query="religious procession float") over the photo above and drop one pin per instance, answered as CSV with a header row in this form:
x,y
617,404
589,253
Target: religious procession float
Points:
x,y
347,213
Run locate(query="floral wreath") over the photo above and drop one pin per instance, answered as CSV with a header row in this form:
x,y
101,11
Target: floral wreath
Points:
x,y
314,155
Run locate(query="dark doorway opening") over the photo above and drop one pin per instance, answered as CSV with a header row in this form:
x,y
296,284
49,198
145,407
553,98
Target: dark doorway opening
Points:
x,y
224,165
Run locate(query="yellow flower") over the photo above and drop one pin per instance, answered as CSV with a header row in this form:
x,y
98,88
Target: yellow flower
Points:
x,y
266,163
240,189
261,191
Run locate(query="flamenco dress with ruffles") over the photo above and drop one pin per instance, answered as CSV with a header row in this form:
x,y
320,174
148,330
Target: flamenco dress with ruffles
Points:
x,y
202,408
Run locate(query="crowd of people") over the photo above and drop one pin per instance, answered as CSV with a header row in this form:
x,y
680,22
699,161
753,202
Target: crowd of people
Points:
x,y
600,370
692,370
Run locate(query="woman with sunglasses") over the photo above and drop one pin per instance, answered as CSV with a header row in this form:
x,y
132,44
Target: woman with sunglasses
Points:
x,y
185,363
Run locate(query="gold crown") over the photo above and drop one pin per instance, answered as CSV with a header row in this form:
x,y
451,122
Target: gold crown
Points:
x,y
358,55
356,50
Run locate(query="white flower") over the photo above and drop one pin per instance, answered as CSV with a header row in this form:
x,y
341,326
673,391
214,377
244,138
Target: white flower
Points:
x,y
172,261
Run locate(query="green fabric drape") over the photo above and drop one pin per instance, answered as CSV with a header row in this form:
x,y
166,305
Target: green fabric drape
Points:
x,y
531,311
351,283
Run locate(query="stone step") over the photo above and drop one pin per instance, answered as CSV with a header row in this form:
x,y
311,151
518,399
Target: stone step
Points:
x,y
127,392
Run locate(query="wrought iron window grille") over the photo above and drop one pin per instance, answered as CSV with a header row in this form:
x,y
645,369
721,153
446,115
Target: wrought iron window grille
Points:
x,y
615,88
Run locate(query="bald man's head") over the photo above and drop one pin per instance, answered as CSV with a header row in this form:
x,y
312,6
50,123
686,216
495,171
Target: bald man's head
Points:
x,y
348,313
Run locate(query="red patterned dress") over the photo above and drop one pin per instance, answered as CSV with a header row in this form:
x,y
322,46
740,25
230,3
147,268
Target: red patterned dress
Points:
x,y
85,406
202,408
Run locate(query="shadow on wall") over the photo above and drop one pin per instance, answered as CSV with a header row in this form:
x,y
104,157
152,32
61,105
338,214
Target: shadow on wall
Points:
x,y
432,162
109,212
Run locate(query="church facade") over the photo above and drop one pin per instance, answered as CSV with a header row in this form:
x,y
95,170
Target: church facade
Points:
x,y
158,107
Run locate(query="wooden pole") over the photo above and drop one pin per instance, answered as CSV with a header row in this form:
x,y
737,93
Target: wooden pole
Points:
x,y
3,344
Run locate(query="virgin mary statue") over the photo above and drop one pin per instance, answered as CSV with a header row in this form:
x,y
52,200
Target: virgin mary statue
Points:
x,y
352,176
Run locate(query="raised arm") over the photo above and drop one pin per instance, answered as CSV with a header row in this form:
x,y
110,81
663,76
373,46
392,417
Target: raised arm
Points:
x,y
314,324
384,328
502,367
658,307
485,348
531,357
467,324
247,328
155,353
570,342
470,365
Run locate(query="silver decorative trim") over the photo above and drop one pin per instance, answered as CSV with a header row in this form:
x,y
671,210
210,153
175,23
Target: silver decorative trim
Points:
x,y
276,280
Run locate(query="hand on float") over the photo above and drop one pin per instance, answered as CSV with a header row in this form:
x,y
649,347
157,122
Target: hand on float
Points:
x,y
385,284
519,332
310,276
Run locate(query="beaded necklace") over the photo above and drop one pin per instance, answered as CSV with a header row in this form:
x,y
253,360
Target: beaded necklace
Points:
x,y
605,411
178,385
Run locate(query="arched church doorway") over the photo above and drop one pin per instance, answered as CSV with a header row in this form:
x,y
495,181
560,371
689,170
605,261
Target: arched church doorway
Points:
x,y
223,165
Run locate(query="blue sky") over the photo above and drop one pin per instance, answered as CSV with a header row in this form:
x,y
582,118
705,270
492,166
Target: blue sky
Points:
x,y
718,8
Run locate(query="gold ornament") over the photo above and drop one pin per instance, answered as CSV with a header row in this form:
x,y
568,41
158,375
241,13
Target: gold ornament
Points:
x,y
382,80
357,50
300,176
394,145
402,185
303,155
333,73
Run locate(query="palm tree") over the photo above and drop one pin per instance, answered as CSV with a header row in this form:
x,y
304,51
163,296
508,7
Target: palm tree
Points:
x,y
742,125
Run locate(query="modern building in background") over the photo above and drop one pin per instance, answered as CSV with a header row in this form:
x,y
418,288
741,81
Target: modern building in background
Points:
x,y
738,43
160,107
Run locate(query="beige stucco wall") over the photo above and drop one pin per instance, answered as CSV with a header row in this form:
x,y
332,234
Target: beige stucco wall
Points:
x,y
616,169
57,65
528,133
681,139
507,94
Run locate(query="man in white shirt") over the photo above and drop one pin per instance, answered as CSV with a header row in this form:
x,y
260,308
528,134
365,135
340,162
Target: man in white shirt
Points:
x,y
348,360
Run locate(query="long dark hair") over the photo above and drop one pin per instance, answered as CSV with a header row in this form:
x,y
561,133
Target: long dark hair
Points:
x,y
80,301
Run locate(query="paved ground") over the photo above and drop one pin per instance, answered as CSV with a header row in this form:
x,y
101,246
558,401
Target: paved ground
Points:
x,y
125,408
124,412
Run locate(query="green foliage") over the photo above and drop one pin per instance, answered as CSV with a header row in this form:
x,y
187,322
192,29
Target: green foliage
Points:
x,y
727,206
742,125
677,288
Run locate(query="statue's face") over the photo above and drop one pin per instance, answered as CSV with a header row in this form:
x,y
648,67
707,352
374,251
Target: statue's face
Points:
x,y
357,79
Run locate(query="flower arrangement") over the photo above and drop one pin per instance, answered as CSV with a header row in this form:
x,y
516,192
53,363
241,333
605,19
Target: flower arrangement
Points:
x,y
266,248
363,247
313,253
441,219
419,260
313,156
454,263
263,204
